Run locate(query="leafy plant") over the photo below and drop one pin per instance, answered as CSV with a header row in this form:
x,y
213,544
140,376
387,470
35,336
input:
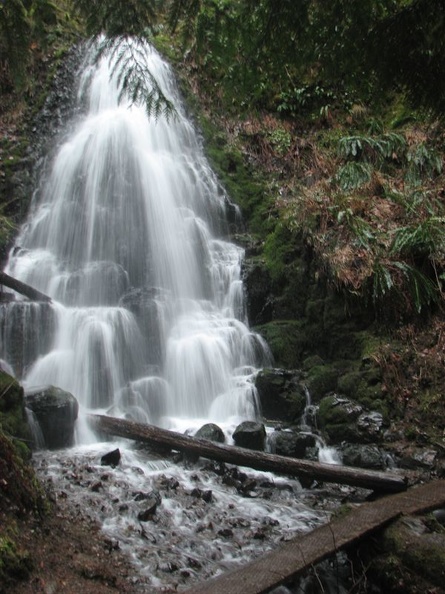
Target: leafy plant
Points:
x,y
423,162
134,79
370,148
353,175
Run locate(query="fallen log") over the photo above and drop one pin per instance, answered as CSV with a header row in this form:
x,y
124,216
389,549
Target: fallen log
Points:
x,y
293,558
383,482
22,288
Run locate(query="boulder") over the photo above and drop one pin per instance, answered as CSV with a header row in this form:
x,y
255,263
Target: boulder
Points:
x,y
56,412
344,419
212,432
281,395
362,456
111,458
251,435
289,443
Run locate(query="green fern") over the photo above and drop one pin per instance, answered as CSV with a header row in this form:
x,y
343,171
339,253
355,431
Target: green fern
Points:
x,y
426,239
370,148
353,175
422,290
134,79
423,162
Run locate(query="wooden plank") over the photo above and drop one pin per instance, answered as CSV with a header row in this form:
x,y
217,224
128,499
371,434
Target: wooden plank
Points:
x,y
290,560
384,482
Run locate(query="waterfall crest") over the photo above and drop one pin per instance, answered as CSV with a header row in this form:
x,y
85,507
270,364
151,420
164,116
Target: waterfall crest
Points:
x,y
128,235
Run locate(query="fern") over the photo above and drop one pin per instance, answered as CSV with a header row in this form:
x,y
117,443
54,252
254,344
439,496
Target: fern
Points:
x,y
372,149
425,239
353,175
423,162
135,81
422,290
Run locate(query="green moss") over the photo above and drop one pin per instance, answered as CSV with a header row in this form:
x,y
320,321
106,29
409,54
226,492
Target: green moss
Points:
x,y
321,379
15,563
286,340
12,408
20,486
411,543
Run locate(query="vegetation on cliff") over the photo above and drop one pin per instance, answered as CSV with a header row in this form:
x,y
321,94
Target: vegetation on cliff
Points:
x,y
334,154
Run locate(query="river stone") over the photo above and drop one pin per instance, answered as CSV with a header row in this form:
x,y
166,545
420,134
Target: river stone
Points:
x,y
56,412
251,435
287,443
211,432
362,456
111,458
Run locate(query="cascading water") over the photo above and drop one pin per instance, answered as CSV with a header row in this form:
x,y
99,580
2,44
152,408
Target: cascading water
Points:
x,y
126,234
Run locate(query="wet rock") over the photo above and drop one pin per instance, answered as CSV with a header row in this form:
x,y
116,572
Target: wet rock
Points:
x,y
111,458
211,432
257,283
281,395
146,304
288,443
343,419
251,435
362,456
150,509
371,424
56,412
26,331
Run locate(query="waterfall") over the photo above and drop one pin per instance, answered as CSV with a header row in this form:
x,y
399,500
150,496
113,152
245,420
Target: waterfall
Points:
x,y
128,234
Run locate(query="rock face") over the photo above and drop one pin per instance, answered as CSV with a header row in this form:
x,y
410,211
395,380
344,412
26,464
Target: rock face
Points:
x,y
56,412
251,435
282,397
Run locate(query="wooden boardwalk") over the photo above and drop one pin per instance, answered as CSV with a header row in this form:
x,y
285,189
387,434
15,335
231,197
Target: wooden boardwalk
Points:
x,y
281,565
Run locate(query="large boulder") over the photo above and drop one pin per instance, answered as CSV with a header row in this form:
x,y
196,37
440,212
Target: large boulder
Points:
x,y
56,412
211,432
281,395
293,444
344,419
251,435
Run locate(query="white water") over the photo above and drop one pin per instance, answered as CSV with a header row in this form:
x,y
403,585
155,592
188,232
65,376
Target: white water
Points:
x,y
128,235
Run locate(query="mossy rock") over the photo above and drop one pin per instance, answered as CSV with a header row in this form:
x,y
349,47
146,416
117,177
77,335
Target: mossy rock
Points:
x,y
15,562
281,395
414,557
321,380
286,340
337,418
12,408
19,488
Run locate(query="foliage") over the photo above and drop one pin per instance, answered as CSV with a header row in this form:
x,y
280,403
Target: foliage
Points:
x,y
25,27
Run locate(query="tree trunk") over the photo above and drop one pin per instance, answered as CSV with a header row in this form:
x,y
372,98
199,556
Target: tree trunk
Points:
x,y
356,477
22,288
